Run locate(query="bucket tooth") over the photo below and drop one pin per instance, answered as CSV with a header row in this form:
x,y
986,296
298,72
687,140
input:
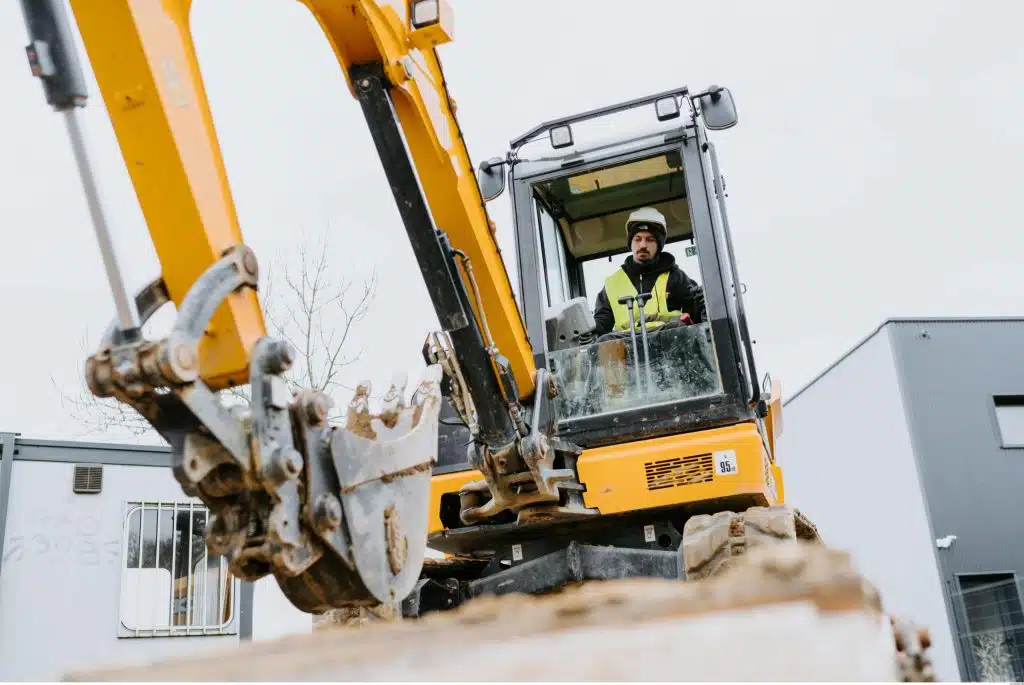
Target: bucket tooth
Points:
x,y
393,402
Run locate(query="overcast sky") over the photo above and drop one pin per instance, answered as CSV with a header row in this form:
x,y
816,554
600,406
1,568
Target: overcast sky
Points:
x,y
874,172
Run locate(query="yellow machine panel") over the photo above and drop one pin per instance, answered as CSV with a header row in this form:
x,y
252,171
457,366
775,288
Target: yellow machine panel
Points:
x,y
673,470
440,485
677,469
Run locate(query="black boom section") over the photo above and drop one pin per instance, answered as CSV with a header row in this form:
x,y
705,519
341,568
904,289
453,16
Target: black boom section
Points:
x,y
435,257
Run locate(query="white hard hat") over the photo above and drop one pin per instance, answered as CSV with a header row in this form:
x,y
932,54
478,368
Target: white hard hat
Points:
x,y
647,219
646,215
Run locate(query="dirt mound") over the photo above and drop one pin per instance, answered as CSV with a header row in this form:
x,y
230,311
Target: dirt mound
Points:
x,y
783,612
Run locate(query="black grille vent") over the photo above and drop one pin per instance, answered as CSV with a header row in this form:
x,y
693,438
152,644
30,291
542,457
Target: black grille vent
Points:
x,y
677,471
88,480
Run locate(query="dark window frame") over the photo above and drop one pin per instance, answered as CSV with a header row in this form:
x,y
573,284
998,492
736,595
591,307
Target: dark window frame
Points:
x,y
1016,604
998,402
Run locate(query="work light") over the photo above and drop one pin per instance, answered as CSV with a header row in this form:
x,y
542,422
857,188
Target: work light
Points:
x,y
561,136
425,13
667,108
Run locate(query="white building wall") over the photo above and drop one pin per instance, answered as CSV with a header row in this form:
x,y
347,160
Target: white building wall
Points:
x,y
273,615
60,588
848,463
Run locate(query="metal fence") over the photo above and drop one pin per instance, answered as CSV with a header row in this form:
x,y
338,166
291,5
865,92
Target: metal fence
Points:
x,y
169,585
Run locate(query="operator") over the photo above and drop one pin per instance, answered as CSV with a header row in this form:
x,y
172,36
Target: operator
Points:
x,y
677,301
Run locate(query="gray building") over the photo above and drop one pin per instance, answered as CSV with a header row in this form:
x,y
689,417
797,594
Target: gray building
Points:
x,y
909,452
102,562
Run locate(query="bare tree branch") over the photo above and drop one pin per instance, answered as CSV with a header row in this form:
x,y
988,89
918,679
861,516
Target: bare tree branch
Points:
x,y
102,415
303,304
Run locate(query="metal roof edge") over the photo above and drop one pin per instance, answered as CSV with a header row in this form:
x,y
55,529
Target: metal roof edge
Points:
x,y
20,441
838,361
956,319
902,320
75,444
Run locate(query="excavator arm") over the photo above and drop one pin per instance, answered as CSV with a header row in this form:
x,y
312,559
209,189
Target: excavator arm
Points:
x,y
338,514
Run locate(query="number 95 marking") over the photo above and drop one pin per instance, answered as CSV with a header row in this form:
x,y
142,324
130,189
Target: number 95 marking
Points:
x,y
725,463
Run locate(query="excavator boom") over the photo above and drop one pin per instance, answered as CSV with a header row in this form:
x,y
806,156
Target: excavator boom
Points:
x,y
148,74
337,513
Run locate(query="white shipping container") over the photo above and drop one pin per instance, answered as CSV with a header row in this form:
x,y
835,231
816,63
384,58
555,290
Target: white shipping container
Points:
x,y
83,580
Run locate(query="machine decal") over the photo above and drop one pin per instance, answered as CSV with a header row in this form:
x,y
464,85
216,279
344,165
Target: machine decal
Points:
x,y
725,463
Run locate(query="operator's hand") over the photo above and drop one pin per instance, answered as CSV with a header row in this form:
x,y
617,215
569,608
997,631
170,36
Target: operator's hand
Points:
x,y
685,319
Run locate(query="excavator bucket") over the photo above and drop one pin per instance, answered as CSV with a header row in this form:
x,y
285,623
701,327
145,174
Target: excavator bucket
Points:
x,y
363,500
383,462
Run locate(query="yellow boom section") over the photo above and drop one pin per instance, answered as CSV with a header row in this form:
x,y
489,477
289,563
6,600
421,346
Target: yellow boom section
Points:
x,y
145,63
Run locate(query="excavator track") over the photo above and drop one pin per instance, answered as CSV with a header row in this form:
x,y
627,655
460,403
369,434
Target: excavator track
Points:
x,y
713,542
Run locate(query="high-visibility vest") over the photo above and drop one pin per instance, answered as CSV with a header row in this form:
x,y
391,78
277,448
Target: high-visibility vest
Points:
x,y
656,311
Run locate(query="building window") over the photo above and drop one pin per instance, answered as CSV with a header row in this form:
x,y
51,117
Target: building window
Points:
x,y
994,638
1010,417
169,585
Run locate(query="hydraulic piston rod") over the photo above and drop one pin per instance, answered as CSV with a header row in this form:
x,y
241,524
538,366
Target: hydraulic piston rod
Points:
x,y
51,55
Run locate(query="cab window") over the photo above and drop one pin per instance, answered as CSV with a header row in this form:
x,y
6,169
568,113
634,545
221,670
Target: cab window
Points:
x,y
552,245
588,241
581,225
594,205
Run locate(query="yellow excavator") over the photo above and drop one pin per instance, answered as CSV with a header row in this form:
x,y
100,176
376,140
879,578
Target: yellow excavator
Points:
x,y
531,453
535,452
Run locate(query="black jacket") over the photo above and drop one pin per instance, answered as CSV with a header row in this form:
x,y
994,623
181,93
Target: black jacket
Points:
x,y
684,295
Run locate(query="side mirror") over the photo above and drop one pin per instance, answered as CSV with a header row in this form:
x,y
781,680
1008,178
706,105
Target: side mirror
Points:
x,y
491,178
718,108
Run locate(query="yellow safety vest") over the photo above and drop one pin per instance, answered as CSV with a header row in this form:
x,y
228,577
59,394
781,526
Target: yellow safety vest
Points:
x,y
656,311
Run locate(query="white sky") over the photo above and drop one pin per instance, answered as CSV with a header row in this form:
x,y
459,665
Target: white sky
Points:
x,y
873,172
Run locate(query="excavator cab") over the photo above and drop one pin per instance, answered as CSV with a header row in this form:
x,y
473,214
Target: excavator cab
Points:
x,y
570,208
